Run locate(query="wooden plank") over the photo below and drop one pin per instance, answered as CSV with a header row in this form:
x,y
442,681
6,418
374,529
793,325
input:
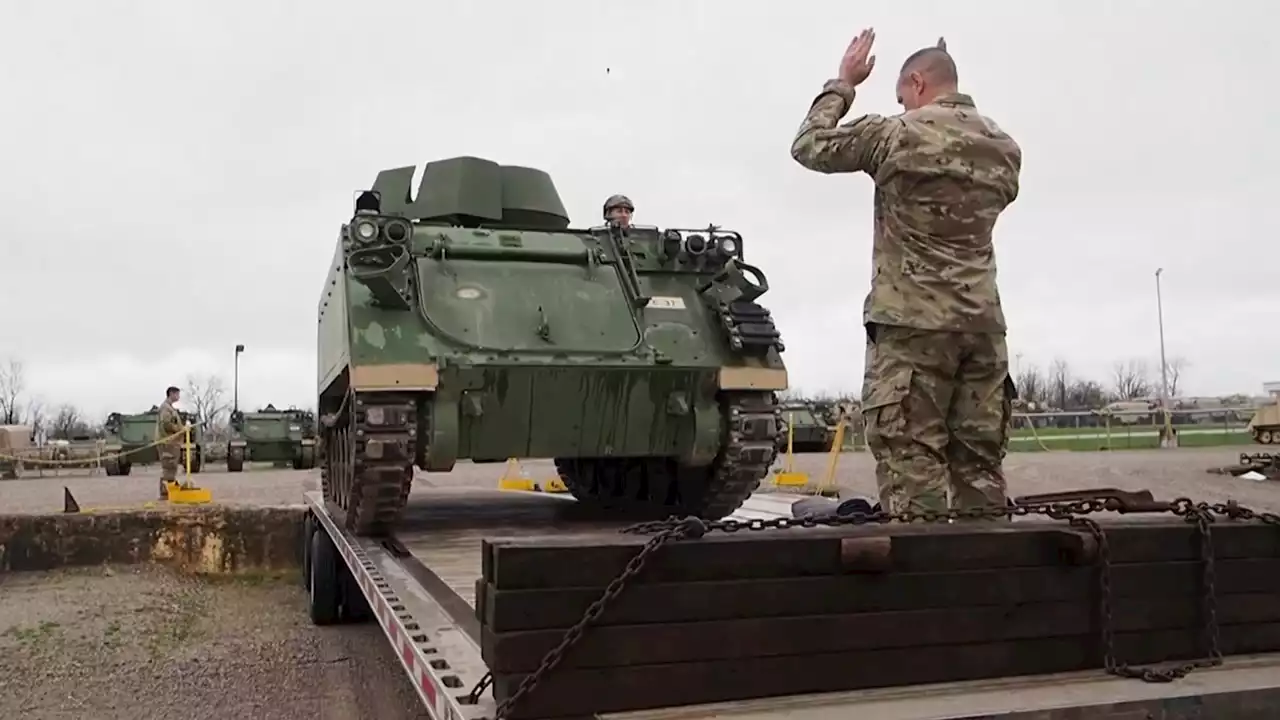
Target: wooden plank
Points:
x,y
627,645
569,692
509,610
595,559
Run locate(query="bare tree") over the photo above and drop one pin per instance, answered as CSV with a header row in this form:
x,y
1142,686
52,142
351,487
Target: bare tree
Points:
x,y
1087,394
207,396
66,422
13,383
1173,368
1131,379
1059,383
1033,387
36,416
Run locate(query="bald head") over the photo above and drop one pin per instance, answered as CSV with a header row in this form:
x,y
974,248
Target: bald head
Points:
x,y
926,74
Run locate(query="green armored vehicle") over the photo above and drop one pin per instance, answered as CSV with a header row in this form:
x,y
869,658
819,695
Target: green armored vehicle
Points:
x,y
271,435
469,321
130,440
809,430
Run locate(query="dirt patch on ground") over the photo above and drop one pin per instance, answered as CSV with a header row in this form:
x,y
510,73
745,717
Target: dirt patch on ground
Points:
x,y
135,642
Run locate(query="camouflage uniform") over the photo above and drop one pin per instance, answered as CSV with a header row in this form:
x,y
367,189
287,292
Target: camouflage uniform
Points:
x,y
168,422
937,392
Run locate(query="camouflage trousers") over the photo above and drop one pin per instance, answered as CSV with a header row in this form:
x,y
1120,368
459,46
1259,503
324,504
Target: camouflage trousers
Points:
x,y
937,407
168,467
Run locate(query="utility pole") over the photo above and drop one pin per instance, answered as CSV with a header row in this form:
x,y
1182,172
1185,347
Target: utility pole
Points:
x,y
235,383
1164,366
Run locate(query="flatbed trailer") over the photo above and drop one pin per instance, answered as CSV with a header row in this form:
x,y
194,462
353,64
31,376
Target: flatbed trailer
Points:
x,y
420,588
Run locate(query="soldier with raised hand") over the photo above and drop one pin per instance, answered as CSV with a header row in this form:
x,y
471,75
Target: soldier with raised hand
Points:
x,y
169,426
937,392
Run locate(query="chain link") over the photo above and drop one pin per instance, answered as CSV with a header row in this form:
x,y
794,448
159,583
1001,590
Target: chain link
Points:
x,y
1073,511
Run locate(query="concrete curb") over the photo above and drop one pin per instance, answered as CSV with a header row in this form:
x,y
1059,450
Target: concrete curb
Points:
x,y
213,539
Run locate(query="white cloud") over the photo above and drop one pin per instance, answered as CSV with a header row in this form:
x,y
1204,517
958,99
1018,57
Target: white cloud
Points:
x,y
178,162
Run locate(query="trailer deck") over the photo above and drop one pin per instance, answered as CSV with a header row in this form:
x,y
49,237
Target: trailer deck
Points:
x,y
421,588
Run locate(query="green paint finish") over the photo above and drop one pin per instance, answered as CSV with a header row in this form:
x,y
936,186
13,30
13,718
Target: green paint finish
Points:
x,y
550,341
136,434
271,435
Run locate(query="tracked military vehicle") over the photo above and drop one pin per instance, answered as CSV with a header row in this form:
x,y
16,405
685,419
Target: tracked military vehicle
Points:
x,y
130,440
469,321
271,435
809,430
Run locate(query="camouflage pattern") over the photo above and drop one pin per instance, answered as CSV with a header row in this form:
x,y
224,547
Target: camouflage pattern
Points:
x,y
168,422
937,408
943,174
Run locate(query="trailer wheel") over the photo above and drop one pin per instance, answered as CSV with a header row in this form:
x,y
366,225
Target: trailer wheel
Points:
x,y
325,588
308,529
355,608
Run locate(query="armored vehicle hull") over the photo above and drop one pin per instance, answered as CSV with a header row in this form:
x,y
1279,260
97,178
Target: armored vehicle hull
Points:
x,y
809,430
471,322
1264,427
131,441
274,436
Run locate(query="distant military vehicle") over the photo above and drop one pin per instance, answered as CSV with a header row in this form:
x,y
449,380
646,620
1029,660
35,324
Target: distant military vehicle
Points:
x,y
470,321
130,440
271,435
14,443
809,429
1265,425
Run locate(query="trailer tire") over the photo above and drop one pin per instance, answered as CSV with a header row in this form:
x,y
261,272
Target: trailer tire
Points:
x,y
308,529
355,608
325,588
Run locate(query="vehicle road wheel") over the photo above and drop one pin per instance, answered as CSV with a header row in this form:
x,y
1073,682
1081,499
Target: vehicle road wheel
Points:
x,y
325,589
112,467
125,468
1265,437
235,460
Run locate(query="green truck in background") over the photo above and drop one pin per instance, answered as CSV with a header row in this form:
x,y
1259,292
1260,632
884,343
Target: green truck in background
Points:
x,y
470,321
130,440
271,435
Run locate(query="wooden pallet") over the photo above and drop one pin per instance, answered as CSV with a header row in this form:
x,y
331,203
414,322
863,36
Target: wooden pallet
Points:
x,y
735,616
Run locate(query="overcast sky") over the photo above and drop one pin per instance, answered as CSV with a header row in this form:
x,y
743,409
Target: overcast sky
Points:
x,y
175,173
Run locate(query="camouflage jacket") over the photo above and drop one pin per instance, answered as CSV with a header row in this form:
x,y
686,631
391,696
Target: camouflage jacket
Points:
x,y
943,174
169,422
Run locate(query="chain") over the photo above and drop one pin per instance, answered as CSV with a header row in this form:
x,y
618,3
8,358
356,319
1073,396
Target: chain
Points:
x,y
1073,511
688,528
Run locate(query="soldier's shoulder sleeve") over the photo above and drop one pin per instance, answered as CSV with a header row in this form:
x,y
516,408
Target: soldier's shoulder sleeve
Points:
x,y
860,145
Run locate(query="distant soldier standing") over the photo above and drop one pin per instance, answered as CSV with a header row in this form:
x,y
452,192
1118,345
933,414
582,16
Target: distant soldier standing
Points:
x,y
619,209
937,393
169,428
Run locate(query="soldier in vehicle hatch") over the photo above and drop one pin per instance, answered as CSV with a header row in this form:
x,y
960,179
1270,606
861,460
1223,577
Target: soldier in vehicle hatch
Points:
x,y
169,427
937,396
619,209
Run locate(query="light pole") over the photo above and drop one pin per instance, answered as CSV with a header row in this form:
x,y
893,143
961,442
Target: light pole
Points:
x,y
1164,365
235,383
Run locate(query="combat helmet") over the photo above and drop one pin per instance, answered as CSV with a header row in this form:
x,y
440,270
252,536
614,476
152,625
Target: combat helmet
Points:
x,y
617,201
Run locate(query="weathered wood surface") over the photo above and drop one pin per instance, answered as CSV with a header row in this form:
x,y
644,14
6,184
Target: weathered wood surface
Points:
x,y
763,613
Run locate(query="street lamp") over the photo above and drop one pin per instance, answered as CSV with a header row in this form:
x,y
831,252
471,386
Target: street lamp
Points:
x,y
1164,365
235,383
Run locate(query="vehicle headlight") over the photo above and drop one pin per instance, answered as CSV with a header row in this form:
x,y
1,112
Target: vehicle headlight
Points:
x,y
366,230
294,428
729,246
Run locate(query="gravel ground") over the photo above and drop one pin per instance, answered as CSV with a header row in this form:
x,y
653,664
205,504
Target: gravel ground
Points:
x,y
143,643
140,642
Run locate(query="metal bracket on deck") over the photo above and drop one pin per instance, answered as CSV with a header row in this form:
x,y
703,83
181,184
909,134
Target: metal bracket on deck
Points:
x,y
1115,499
